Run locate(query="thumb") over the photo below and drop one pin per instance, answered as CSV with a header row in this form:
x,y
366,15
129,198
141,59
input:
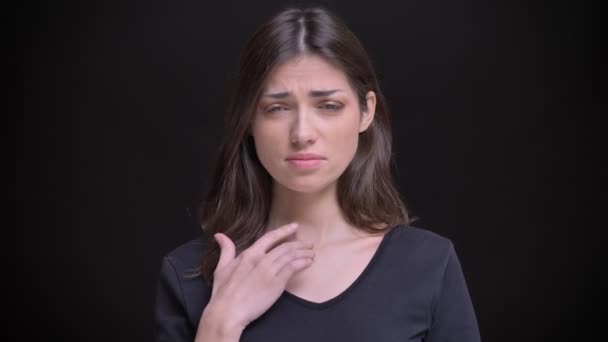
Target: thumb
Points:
x,y
227,250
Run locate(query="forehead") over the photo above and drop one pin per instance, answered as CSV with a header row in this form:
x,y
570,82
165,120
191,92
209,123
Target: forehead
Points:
x,y
306,72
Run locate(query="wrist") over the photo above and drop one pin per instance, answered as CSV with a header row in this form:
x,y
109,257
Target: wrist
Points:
x,y
220,325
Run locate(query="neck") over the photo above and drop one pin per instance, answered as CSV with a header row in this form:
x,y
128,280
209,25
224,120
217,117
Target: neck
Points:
x,y
319,216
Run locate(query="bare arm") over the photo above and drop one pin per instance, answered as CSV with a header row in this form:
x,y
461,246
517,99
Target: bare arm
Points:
x,y
213,328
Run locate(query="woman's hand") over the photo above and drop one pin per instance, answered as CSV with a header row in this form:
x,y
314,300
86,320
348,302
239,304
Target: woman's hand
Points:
x,y
246,286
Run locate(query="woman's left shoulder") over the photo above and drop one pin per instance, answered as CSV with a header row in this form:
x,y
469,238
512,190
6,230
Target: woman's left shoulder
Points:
x,y
424,243
419,235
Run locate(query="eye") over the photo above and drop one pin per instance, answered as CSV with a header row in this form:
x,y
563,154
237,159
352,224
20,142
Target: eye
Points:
x,y
276,108
331,106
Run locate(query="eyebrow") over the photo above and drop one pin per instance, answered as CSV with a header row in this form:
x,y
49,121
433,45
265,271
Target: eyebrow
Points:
x,y
312,93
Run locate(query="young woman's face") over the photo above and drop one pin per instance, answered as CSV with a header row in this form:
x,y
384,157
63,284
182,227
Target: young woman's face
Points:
x,y
307,106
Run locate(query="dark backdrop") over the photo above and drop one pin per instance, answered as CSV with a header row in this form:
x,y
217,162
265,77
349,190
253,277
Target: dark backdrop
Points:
x,y
120,120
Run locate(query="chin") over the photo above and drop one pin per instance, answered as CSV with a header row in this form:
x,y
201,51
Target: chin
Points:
x,y
308,186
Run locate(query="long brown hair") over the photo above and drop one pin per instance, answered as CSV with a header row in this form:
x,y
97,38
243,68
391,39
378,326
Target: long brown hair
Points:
x,y
239,198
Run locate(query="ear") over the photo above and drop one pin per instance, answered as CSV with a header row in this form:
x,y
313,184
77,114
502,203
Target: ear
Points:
x,y
367,116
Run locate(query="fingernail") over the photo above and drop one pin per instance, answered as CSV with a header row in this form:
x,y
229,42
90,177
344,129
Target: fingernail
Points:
x,y
293,226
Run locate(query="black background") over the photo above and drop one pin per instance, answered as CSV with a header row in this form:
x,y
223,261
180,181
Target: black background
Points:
x,y
120,121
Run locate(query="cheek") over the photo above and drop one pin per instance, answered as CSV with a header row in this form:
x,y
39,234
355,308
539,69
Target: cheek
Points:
x,y
345,140
266,141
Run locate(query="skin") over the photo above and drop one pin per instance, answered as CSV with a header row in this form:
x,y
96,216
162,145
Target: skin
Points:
x,y
327,125
290,120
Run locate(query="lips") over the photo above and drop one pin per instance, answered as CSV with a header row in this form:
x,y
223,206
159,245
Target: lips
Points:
x,y
305,156
305,160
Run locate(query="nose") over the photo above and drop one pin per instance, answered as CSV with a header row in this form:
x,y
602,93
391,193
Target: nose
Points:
x,y
303,131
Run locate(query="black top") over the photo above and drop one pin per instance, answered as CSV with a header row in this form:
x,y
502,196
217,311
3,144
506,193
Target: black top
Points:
x,y
413,289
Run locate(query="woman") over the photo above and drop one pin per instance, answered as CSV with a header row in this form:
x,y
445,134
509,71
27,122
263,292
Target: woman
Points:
x,y
305,235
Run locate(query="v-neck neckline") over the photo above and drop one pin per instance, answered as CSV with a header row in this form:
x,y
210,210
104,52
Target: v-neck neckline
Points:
x,y
325,304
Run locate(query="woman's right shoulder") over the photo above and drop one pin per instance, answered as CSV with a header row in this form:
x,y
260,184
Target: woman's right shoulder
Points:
x,y
187,255
182,292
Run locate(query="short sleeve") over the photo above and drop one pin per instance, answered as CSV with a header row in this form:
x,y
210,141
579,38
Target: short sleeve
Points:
x,y
170,316
453,316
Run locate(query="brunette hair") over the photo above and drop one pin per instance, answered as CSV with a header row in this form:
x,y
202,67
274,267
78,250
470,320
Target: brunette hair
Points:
x,y
239,198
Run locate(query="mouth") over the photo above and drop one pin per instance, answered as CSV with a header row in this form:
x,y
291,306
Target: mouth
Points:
x,y
309,163
305,161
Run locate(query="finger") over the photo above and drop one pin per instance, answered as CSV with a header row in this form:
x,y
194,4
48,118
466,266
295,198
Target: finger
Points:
x,y
262,245
290,256
293,267
227,250
283,248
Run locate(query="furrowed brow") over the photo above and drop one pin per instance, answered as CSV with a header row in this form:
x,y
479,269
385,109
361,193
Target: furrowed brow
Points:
x,y
312,93
322,93
278,96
